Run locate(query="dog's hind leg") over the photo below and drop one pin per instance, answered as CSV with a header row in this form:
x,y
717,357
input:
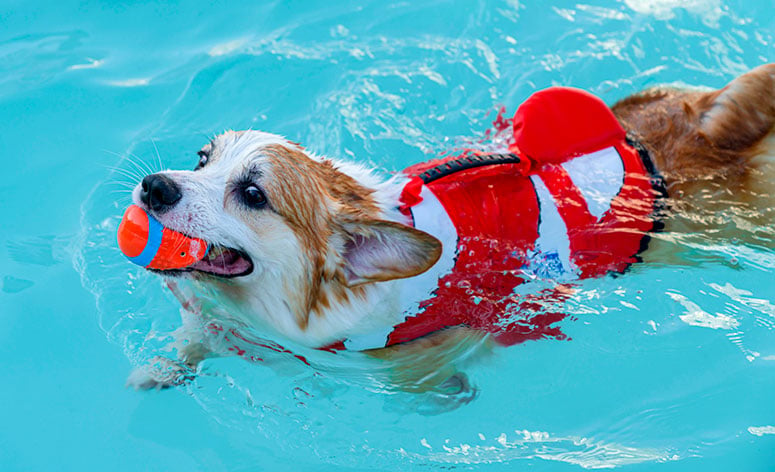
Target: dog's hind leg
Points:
x,y
431,363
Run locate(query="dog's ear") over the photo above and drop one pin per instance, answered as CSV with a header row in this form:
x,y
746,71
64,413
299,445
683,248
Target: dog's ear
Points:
x,y
378,250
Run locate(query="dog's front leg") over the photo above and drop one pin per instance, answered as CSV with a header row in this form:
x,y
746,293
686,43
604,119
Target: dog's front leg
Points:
x,y
190,342
191,347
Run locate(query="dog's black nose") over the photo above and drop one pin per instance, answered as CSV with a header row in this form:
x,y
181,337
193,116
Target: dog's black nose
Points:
x,y
159,192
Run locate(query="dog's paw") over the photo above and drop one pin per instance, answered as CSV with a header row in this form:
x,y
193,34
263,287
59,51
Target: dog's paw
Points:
x,y
456,388
451,394
159,373
456,385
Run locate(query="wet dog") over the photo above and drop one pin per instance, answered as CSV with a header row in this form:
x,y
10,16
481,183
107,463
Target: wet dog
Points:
x,y
327,254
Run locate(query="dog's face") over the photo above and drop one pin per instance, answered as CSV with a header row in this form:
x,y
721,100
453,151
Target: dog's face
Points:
x,y
292,236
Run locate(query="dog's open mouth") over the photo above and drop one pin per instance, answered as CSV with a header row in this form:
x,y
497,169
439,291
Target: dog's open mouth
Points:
x,y
220,261
224,262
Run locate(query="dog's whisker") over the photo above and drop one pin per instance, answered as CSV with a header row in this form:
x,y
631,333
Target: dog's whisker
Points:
x,y
139,163
158,156
126,173
123,172
134,165
123,198
120,191
135,161
126,185
119,175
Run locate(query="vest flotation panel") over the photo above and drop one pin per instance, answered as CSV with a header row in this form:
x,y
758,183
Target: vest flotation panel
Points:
x,y
572,199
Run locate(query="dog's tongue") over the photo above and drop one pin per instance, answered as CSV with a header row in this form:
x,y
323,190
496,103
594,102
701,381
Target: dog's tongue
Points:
x,y
223,261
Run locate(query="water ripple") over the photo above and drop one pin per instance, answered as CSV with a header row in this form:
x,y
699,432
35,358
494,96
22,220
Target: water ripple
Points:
x,y
642,378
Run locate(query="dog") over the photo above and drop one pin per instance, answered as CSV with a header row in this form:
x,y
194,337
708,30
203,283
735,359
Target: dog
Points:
x,y
328,254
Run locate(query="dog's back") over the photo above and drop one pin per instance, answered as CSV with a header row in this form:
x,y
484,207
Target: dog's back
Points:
x,y
715,149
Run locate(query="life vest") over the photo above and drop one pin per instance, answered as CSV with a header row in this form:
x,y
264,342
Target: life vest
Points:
x,y
572,199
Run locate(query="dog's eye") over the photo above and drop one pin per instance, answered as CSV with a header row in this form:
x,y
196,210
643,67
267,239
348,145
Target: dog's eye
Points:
x,y
203,158
254,197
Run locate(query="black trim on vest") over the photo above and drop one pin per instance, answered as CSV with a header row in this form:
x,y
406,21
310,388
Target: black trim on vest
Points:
x,y
658,184
466,162
656,179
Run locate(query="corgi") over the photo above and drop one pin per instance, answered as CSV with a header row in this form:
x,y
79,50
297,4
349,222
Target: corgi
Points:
x,y
329,254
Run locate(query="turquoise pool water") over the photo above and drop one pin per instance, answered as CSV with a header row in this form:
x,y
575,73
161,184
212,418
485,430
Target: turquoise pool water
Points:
x,y
669,368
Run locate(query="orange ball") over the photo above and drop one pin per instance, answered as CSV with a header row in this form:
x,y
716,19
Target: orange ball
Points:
x,y
147,243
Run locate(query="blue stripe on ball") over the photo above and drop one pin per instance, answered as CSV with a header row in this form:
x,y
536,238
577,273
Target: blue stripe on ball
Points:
x,y
152,245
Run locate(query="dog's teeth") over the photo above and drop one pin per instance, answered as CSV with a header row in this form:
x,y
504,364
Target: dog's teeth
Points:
x,y
215,252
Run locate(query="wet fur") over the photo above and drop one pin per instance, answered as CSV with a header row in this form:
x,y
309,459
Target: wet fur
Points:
x,y
714,150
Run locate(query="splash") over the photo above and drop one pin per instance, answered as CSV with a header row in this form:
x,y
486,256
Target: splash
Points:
x,y
709,10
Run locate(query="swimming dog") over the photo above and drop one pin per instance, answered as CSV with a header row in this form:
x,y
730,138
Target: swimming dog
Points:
x,y
328,254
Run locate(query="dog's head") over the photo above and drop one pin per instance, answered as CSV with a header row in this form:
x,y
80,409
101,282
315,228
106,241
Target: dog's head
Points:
x,y
290,232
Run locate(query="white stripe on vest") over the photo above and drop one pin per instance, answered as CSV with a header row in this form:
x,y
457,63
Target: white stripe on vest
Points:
x,y
429,216
599,176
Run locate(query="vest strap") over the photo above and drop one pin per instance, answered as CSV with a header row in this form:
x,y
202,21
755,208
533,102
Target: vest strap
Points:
x,y
467,162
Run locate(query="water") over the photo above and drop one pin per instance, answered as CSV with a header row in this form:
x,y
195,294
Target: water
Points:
x,y
667,368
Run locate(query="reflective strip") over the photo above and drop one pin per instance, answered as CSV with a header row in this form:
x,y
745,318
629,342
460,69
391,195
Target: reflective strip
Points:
x,y
568,199
552,230
599,176
155,230
429,216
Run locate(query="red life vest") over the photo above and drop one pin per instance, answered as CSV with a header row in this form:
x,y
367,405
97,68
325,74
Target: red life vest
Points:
x,y
572,200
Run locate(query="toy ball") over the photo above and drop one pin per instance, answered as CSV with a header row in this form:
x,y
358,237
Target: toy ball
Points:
x,y
147,243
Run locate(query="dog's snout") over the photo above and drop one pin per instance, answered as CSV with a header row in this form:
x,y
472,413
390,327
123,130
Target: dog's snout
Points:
x,y
159,192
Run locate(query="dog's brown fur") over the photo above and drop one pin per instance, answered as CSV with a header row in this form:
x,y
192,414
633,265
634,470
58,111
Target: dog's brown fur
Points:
x,y
696,136
318,195
321,204
704,144
714,149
